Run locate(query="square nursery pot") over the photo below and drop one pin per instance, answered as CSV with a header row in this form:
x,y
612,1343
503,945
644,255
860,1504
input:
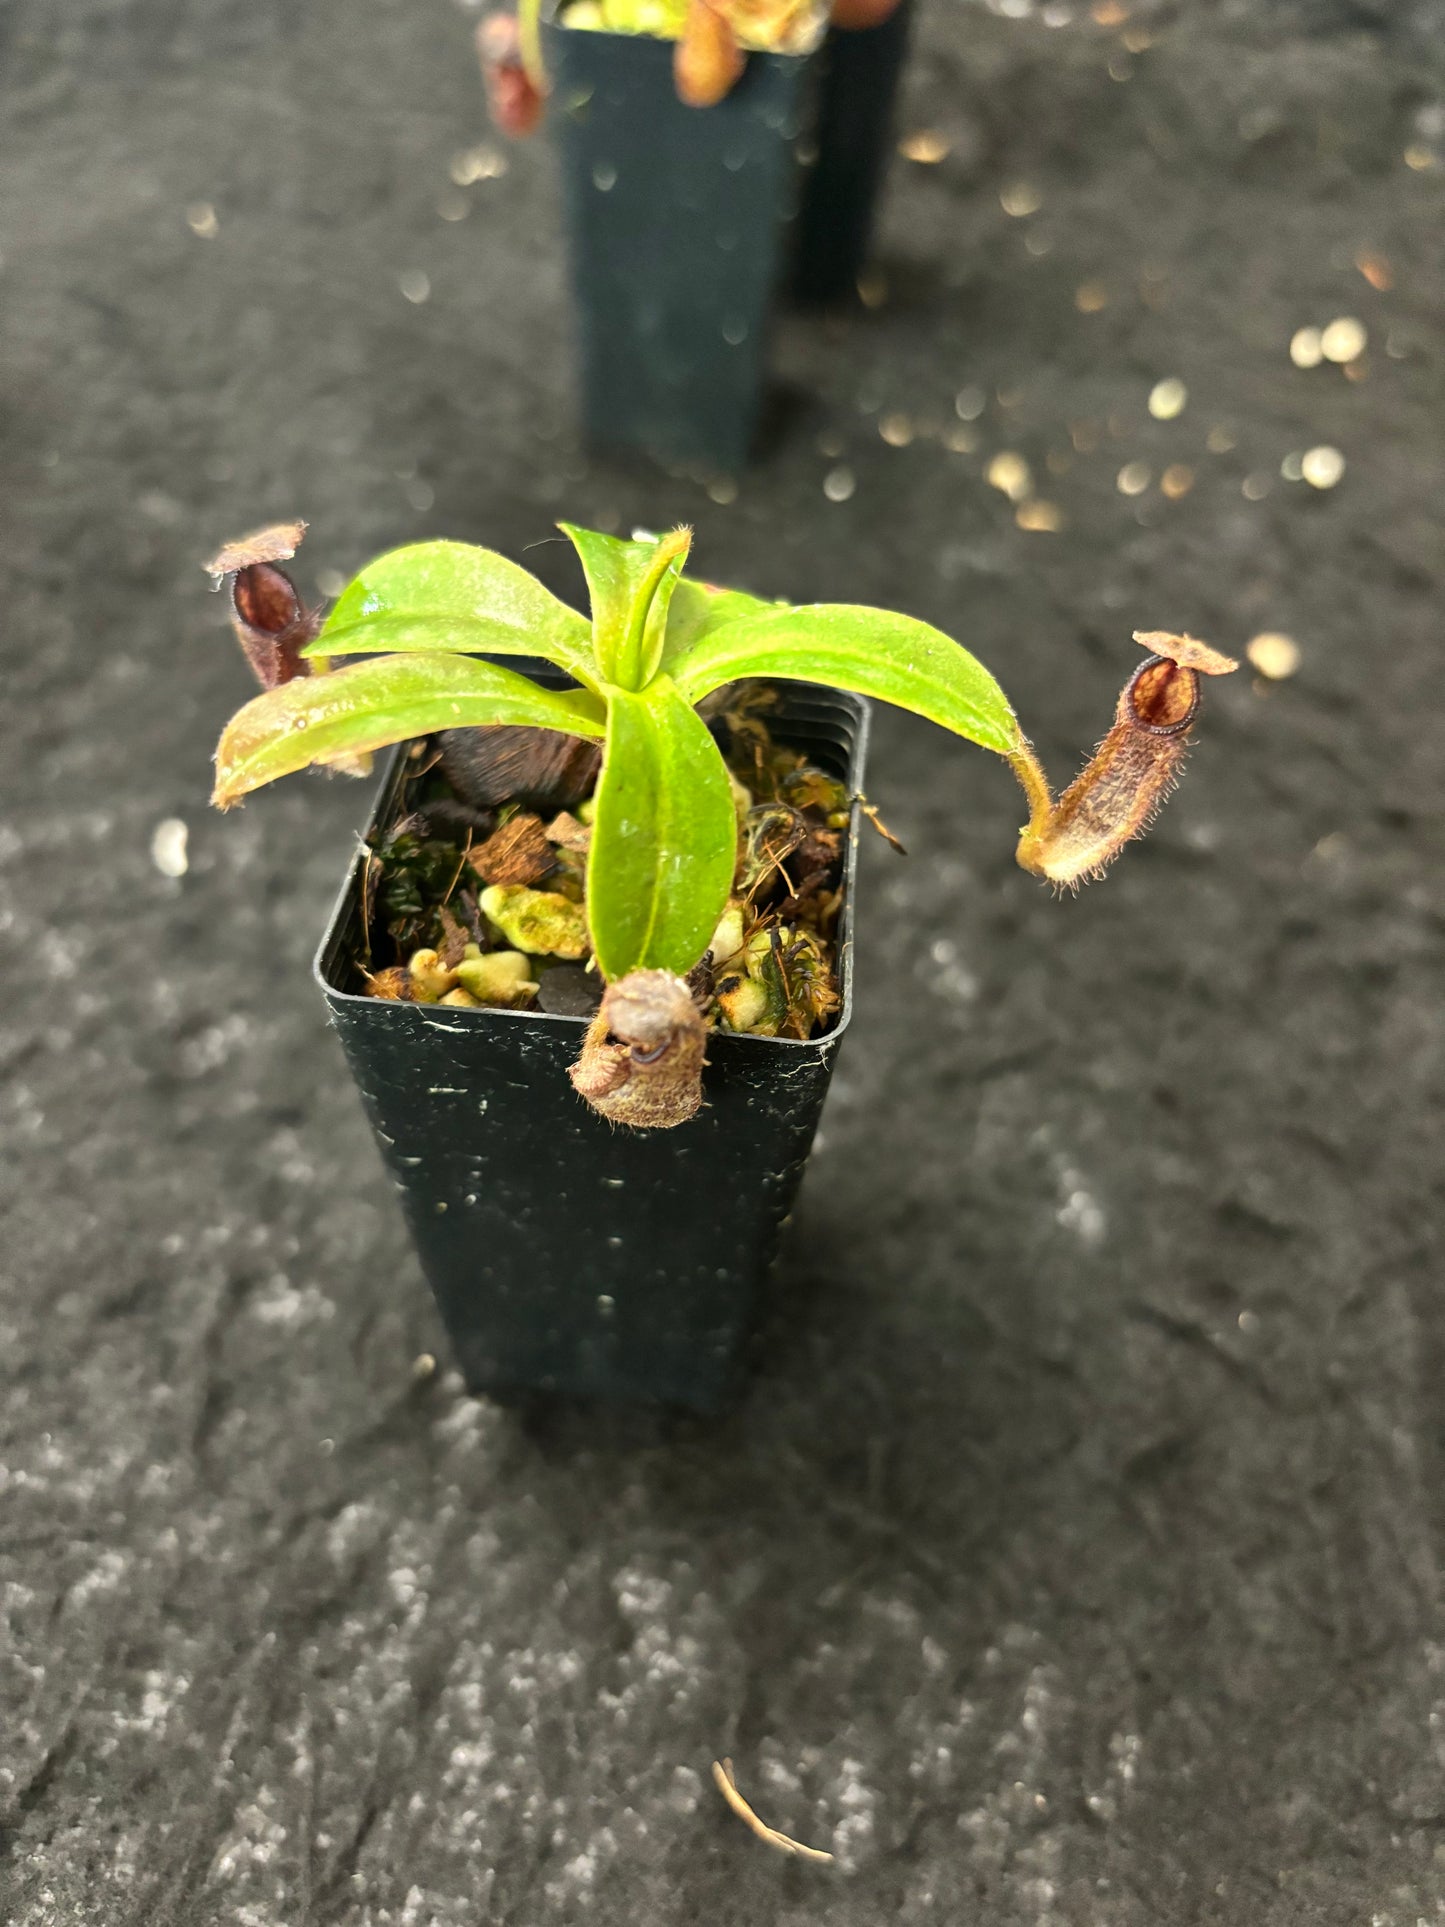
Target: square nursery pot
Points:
x,y
676,222
568,1255
856,115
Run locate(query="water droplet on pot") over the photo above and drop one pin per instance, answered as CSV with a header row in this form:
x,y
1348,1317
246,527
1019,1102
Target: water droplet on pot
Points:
x,y
969,403
1042,518
1020,199
927,147
1009,473
485,163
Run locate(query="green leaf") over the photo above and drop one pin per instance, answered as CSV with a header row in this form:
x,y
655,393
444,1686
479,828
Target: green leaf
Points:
x,y
453,596
697,610
873,652
367,705
664,838
631,585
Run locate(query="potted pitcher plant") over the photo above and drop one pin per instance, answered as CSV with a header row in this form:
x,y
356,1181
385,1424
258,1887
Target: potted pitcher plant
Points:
x,y
591,965
711,152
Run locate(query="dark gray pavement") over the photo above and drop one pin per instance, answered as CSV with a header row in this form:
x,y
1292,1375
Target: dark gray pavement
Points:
x,y
1076,1558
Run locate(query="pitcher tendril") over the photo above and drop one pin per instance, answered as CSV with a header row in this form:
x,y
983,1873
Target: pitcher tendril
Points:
x,y
1117,794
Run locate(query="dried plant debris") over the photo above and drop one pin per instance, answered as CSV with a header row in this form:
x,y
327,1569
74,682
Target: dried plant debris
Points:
x,y
519,852
727,1786
568,833
475,894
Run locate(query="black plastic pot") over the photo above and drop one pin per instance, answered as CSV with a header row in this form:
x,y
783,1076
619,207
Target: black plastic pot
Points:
x,y
568,1255
676,221
854,136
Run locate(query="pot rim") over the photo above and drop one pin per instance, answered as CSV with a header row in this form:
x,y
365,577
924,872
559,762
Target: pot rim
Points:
x,y
390,781
552,23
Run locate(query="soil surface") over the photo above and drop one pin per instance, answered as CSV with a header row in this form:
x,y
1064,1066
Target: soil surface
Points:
x,y
1076,1556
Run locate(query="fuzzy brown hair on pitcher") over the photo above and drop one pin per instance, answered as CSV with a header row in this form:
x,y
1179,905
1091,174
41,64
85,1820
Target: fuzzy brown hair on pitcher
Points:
x,y
642,1057
1115,797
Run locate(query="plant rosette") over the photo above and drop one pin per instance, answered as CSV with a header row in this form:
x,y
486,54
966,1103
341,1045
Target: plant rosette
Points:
x,y
409,651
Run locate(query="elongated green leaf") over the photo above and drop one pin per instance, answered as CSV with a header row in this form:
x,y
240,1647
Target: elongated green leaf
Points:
x,y
370,704
697,610
630,585
873,652
456,597
647,631
664,840
422,632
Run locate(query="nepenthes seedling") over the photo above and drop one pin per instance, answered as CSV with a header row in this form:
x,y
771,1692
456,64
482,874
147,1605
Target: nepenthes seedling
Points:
x,y
665,872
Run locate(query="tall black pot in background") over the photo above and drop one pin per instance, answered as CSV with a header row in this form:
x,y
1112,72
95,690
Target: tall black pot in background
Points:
x,y
676,232
566,1254
856,117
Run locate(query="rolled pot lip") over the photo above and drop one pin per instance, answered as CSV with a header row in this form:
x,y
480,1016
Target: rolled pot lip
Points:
x,y
455,1019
